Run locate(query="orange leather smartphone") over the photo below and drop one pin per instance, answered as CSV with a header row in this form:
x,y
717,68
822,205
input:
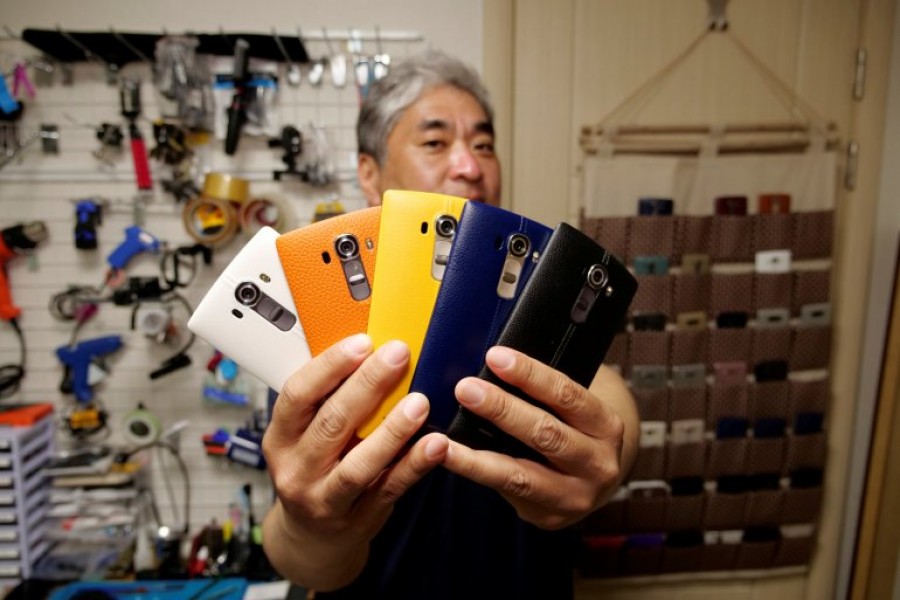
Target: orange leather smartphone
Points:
x,y
329,267
416,235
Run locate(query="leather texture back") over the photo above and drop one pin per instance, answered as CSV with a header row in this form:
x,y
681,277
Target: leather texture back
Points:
x,y
320,291
541,326
404,297
469,312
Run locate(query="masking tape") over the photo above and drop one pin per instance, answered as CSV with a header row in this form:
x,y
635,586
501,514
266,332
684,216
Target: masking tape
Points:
x,y
209,221
141,427
226,187
256,213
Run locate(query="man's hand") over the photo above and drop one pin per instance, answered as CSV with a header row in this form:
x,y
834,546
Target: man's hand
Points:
x,y
589,446
333,496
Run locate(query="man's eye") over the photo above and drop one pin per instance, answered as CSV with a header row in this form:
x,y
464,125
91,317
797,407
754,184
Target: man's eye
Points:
x,y
433,144
486,147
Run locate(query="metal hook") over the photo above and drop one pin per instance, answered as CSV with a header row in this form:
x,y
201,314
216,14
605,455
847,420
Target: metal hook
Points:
x,y
718,19
378,40
112,70
124,41
293,74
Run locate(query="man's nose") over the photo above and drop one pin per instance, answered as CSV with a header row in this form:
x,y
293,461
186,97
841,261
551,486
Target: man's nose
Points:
x,y
463,163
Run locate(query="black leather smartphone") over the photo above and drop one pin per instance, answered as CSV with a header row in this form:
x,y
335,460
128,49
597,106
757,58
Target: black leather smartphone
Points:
x,y
566,317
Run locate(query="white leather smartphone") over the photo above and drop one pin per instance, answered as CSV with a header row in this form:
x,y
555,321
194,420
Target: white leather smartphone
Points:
x,y
249,315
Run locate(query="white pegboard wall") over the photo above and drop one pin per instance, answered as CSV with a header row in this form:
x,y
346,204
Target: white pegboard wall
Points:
x,y
45,187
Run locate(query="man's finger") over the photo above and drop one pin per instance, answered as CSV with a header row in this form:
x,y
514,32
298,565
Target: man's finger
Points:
x,y
308,386
425,455
360,467
335,423
572,402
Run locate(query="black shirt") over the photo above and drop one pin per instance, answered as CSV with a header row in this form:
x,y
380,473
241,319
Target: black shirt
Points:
x,y
449,538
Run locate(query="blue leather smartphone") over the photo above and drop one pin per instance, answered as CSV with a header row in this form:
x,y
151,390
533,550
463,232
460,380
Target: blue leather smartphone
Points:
x,y
493,255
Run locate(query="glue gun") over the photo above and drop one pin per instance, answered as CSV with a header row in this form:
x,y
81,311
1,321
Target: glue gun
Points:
x,y
15,241
137,240
78,358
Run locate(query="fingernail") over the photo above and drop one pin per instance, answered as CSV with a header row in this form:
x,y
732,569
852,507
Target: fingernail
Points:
x,y
394,353
356,345
469,392
435,447
415,406
501,357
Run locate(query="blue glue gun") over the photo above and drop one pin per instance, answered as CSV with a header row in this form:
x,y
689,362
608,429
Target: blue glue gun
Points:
x,y
137,240
78,358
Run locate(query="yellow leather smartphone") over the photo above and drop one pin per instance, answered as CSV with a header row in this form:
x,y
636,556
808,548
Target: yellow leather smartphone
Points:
x,y
329,266
415,237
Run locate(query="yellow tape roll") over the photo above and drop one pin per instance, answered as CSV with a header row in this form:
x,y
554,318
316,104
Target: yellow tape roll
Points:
x,y
226,187
210,221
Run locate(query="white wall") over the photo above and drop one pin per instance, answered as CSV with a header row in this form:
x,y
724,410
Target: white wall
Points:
x,y
43,187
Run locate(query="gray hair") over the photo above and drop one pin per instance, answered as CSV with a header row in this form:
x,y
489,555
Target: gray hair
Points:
x,y
390,96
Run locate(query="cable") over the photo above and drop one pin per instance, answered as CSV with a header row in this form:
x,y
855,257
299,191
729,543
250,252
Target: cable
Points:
x,y
184,474
11,375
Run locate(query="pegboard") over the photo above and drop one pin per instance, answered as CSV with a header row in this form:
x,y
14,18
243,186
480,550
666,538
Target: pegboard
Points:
x,y
40,186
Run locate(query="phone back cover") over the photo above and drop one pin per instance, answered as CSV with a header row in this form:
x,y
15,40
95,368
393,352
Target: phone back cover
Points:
x,y
469,312
541,327
327,310
404,297
251,341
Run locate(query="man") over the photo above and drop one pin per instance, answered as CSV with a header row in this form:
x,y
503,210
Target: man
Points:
x,y
378,519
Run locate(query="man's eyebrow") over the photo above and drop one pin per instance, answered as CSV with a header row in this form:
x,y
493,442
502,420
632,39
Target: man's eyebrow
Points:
x,y
485,127
429,124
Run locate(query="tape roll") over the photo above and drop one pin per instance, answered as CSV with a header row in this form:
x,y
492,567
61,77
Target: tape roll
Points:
x,y
209,221
226,187
257,213
141,427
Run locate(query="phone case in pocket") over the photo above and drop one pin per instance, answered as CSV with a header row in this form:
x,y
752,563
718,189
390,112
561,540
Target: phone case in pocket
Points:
x,y
731,238
813,234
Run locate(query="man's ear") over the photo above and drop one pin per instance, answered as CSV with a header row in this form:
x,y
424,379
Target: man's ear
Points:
x,y
369,174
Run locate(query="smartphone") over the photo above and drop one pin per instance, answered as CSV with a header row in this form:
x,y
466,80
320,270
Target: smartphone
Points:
x,y
655,206
494,253
248,314
330,266
566,317
415,236
731,205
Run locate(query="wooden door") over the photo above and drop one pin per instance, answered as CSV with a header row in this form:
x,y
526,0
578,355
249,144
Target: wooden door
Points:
x,y
574,60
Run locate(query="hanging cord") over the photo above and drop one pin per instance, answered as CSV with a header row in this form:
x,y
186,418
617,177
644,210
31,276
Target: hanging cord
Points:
x,y
655,80
11,375
790,98
184,474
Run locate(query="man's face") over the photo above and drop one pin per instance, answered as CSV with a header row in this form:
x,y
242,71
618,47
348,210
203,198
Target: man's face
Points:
x,y
442,143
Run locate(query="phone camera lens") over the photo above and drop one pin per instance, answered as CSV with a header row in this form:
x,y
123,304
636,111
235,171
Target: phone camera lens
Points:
x,y
597,277
446,225
247,293
518,245
347,246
